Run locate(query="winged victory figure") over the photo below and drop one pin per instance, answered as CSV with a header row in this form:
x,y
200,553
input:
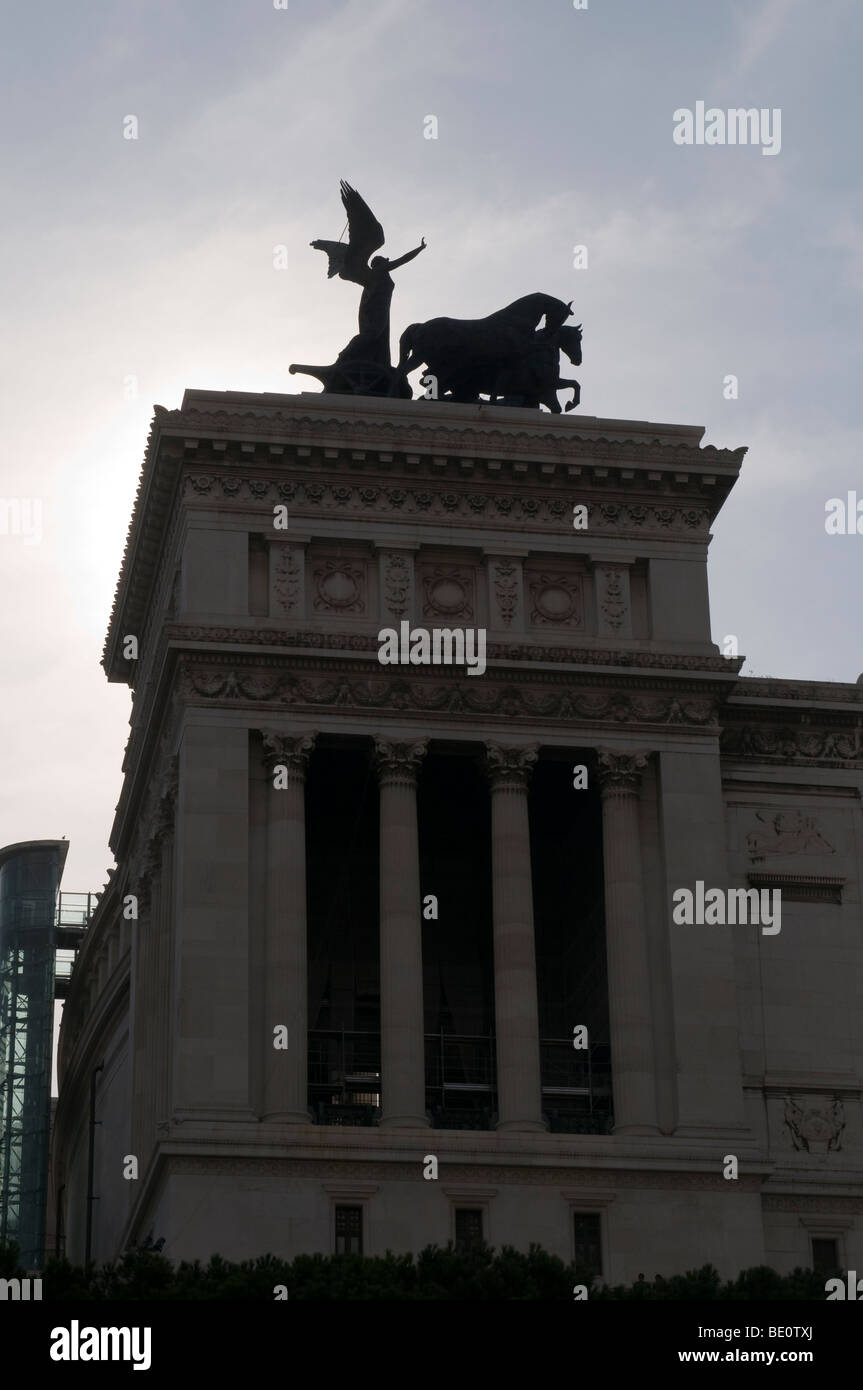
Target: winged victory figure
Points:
x,y
370,347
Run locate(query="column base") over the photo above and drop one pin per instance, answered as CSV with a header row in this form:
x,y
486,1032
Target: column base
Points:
x,y
288,1117
522,1126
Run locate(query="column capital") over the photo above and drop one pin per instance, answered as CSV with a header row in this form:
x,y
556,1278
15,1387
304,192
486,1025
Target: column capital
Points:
x,y
510,766
620,773
396,761
291,750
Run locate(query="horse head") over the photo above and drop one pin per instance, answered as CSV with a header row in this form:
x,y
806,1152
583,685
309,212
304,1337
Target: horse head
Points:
x,y
569,340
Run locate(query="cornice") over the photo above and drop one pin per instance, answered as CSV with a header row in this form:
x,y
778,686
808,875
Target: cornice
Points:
x,y
310,416
752,692
292,639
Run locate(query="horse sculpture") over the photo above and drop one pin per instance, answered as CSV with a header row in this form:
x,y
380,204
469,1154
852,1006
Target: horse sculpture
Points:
x,y
505,355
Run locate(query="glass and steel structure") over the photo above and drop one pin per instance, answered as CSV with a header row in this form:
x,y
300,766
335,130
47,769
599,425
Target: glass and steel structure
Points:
x,y
32,927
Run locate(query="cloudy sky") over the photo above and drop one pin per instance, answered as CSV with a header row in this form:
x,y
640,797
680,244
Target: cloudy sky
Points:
x,y
134,268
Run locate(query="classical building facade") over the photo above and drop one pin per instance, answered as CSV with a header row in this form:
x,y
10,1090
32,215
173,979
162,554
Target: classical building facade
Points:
x,y
366,915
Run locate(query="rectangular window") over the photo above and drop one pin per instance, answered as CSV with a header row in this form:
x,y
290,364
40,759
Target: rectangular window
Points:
x,y
349,1230
825,1255
588,1242
468,1227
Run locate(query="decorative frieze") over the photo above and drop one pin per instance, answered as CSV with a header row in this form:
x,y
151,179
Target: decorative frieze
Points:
x,y
502,510
788,743
425,697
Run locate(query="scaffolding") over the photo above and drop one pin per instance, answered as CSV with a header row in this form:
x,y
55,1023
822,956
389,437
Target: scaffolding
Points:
x,y
36,927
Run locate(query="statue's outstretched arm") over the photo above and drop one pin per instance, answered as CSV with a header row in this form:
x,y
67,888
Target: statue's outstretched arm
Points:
x,y
408,256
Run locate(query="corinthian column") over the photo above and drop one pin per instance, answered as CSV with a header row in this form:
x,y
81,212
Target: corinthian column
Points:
x,y
285,1003
633,1079
402,1023
519,1083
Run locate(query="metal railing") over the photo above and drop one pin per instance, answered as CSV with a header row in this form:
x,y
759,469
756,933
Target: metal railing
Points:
x,y
71,918
461,1081
75,909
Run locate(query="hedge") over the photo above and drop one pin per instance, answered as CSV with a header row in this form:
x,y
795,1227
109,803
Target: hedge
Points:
x,y
479,1274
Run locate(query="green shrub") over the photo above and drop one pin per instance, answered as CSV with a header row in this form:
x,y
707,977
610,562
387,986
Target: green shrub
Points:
x,y
435,1273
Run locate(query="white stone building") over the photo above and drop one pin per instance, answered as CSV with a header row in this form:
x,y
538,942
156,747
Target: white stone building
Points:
x,y
402,867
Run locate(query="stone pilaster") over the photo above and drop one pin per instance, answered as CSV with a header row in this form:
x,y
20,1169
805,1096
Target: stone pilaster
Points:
x,y
285,953
519,1084
709,1083
153,885
211,1074
402,1021
632,1061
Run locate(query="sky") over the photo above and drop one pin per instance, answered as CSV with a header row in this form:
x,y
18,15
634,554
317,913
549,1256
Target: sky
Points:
x,y
134,268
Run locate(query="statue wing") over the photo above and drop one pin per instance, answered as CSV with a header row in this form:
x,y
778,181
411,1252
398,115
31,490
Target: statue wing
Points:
x,y
336,252
365,233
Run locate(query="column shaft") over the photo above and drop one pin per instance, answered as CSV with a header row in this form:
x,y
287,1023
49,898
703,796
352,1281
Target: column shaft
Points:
x,y
402,1013
285,954
633,1076
519,1083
